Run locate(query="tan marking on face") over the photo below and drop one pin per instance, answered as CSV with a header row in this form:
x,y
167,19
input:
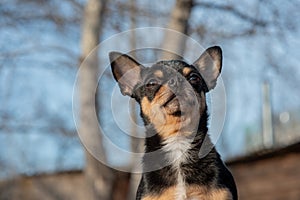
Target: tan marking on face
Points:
x,y
165,124
159,74
186,71
194,192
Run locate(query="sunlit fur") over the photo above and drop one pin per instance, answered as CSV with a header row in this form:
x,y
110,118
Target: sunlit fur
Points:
x,y
193,192
173,107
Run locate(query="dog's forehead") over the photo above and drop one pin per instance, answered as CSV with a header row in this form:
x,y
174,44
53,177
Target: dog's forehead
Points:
x,y
165,68
173,64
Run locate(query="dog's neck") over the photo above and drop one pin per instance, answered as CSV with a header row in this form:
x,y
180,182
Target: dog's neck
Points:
x,y
154,142
176,148
172,154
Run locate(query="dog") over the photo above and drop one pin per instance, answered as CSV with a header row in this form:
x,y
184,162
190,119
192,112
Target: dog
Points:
x,y
172,99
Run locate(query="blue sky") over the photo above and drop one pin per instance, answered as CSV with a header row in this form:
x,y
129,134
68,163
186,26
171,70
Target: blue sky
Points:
x,y
36,83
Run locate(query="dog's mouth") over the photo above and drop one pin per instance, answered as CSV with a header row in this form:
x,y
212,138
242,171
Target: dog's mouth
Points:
x,y
171,98
178,105
172,105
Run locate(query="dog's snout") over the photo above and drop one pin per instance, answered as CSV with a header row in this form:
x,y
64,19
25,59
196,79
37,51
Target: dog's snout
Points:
x,y
173,82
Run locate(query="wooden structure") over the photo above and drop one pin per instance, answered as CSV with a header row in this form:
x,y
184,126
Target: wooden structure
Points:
x,y
57,186
267,175
272,174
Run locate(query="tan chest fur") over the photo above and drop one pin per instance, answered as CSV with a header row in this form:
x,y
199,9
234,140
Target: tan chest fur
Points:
x,y
192,193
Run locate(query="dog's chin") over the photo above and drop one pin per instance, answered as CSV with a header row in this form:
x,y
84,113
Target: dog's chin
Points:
x,y
178,108
172,107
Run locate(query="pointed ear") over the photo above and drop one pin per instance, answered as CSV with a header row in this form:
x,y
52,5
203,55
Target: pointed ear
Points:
x,y
209,65
126,71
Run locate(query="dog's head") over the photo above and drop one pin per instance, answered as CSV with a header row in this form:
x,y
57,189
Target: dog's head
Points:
x,y
171,93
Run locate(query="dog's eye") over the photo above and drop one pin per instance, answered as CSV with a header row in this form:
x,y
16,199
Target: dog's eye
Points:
x,y
151,83
194,78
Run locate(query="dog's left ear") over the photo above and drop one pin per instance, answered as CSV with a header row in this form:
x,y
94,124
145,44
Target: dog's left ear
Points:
x,y
209,65
126,71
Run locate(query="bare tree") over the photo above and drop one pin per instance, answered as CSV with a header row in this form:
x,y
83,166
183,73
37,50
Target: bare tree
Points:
x,y
270,18
136,143
179,22
99,177
21,37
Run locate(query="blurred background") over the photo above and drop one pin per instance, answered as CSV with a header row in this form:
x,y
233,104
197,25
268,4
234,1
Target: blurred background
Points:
x,y
43,43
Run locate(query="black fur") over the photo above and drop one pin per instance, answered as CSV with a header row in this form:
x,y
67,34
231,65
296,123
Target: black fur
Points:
x,y
201,172
207,171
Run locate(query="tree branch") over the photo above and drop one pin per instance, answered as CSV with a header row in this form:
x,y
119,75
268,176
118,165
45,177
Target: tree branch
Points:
x,y
234,11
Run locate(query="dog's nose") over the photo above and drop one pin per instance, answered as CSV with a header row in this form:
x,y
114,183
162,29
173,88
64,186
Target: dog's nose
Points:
x,y
173,82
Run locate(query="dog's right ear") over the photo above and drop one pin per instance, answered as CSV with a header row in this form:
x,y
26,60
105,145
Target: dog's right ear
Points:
x,y
209,65
126,71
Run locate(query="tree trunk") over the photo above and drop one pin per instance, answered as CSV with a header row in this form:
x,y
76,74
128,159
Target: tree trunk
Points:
x,y
136,143
174,44
98,176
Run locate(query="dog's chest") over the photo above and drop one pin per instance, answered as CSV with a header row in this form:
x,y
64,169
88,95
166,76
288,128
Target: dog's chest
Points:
x,y
176,149
178,152
193,193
